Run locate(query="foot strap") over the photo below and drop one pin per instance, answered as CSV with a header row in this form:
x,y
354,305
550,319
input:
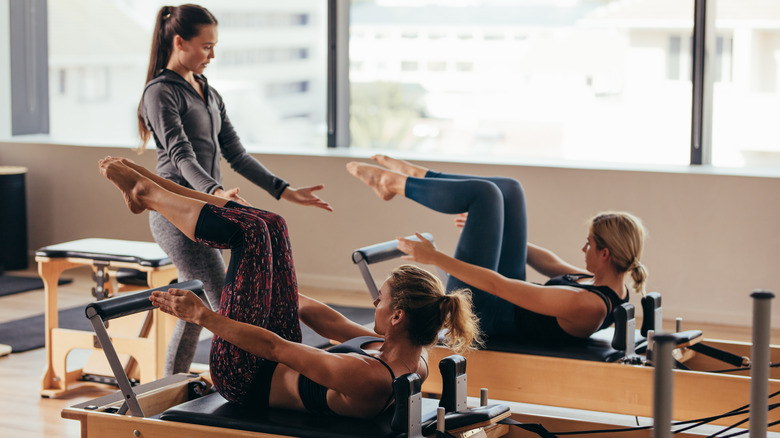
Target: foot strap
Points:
x,y
721,355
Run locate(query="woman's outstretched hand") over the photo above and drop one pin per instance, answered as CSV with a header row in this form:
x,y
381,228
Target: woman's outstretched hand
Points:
x,y
306,196
422,251
231,195
183,304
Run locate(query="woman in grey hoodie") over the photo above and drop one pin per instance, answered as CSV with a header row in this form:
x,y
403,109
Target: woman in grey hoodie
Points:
x,y
191,130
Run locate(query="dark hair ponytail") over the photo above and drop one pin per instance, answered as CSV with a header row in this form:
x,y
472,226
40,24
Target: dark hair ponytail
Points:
x,y
185,21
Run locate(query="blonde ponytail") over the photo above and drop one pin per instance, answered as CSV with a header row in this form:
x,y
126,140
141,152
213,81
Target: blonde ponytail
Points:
x,y
428,309
461,323
639,275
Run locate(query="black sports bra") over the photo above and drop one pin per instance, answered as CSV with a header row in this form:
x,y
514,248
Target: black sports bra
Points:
x,y
314,396
610,298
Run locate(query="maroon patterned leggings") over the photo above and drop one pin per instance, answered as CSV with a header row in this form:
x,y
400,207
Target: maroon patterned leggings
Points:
x,y
260,289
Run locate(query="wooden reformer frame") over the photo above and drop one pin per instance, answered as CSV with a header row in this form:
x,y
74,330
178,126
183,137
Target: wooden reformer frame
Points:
x,y
141,411
612,387
144,339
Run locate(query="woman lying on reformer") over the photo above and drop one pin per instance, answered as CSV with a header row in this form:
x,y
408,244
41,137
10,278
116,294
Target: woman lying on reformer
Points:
x,y
492,253
256,354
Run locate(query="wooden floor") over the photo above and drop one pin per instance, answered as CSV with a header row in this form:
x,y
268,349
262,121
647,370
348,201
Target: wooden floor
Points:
x,y
25,414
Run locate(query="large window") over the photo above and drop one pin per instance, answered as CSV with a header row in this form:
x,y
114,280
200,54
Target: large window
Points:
x,y
575,80
746,101
269,68
526,80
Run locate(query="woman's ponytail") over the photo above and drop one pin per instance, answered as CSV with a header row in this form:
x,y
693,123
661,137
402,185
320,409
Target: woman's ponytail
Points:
x,y
624,235
639,275
428,309
461,323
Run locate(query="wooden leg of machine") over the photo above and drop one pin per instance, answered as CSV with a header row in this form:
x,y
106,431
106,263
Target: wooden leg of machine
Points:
x,y
52,383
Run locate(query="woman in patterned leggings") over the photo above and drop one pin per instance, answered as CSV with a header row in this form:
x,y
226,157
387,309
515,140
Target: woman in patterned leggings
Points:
x,y
256,355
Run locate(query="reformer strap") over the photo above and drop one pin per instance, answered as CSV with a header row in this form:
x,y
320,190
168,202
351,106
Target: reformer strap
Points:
x,y
536,428
721,355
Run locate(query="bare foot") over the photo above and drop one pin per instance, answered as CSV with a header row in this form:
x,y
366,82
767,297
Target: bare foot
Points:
x,y
386,183
400,166
127,180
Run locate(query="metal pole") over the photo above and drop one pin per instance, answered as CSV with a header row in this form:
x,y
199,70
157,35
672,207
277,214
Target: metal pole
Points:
x,y
662,388
759,369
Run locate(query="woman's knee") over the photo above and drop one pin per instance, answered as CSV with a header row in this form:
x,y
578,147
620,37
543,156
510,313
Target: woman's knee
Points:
x,y
485,189
508,184
510,188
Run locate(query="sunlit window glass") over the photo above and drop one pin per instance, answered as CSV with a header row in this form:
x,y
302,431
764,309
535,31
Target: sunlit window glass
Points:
x,y
270,68
746,102
538,79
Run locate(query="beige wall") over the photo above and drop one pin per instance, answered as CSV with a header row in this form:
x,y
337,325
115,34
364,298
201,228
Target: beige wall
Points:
x,y
713,238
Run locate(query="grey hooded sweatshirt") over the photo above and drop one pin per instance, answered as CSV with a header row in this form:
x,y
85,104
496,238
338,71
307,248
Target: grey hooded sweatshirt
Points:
x,y
192,133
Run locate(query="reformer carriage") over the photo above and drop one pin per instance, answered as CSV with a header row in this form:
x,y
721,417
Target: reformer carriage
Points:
x,y
183,405
608,372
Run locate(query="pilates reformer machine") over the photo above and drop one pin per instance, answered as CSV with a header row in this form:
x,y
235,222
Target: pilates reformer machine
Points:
x,y
612,371
184,405
142,340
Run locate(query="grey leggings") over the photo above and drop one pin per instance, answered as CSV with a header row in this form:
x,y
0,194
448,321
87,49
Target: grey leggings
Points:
x,y
194,262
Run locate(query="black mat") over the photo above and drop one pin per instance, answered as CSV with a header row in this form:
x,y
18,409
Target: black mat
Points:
x,y
360,315
29,333
11,284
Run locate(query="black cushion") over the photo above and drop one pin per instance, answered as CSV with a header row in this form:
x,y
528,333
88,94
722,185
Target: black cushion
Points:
x,y
382,251
109,250
214,410
130,303
598,347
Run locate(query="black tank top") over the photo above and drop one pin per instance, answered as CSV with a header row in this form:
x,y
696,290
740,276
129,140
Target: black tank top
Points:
x,y
610,298
314,396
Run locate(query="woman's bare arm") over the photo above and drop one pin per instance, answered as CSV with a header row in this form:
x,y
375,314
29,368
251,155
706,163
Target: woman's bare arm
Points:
x,y
548,263
569,304
327,322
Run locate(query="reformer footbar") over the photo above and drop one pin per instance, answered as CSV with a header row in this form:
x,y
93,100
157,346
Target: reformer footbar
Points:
x,y
411,417
102,311
381,252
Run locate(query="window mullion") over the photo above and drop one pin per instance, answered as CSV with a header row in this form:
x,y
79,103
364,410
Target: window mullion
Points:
x,y
702,82
29,67
338,73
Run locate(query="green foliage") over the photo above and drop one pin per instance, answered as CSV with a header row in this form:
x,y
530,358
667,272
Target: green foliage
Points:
x,y
382,114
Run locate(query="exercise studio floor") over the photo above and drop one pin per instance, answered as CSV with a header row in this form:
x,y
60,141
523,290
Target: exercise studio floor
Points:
x,y
26,414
